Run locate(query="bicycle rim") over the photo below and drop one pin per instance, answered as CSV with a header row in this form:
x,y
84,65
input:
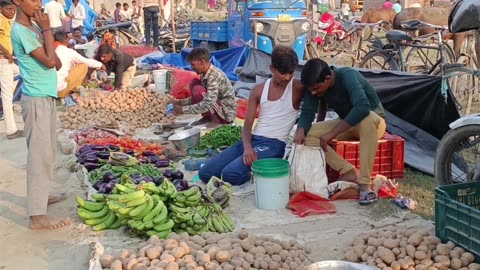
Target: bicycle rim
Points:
x,y
378,60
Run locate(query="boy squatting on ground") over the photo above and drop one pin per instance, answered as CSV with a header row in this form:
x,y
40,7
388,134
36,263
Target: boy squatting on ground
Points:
x,y
361,116
33,47
7,68
213,95
279,100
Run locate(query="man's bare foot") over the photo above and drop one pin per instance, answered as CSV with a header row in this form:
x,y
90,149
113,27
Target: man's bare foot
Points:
x,y
57,198
44,222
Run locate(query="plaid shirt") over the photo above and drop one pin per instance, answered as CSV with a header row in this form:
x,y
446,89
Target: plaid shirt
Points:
x,y
220,96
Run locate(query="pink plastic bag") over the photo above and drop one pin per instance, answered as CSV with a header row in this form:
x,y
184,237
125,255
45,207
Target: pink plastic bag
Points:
x,y
304,204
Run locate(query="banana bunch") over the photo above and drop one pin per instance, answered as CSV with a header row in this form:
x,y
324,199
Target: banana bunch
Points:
x,y
192,215
167,190
97,214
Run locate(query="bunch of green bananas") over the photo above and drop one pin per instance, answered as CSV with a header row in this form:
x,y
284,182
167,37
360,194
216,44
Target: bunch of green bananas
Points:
x,y
167,190
192,215
97,214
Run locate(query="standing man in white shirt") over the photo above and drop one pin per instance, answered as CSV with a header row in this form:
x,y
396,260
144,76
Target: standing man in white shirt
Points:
x,y
74,66
77,13
126,13
55,13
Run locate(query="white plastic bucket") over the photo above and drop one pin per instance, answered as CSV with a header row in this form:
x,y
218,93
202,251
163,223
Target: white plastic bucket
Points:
x,y
160,79
272,187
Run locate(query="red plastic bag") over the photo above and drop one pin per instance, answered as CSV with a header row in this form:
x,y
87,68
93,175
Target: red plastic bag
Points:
x,y
304,204
242,108
180,83
386,192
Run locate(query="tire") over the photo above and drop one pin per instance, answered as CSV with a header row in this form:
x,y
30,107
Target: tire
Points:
x,y
389,62
428,63
122,40
446,153
462,88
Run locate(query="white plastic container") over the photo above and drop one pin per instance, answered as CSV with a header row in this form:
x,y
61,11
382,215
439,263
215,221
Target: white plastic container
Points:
x,y
160,79
272,186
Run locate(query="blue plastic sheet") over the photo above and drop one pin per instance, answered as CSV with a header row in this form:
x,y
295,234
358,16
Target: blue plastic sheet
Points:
x,y
227,60
89,22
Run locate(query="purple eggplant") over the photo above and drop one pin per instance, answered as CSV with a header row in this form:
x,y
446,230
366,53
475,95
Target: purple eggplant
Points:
x,y
84,148
97,184
178,174
158,180
92,159
143,160
113,148
81,160
168,174
130,153
91,166
99,147
101,188
109,187
162,163
152,159
148,153
146,179
180,184
108,176
103,154
88,153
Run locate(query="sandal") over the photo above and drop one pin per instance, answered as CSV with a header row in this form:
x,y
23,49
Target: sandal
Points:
x,y
367,197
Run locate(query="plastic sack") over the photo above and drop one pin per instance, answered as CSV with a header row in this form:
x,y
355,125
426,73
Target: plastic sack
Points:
x,y
464,16
308,170
304,204
180,83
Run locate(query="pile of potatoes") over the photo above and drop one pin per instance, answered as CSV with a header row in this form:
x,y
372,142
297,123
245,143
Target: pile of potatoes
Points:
x,y
396,248
210,252
137,108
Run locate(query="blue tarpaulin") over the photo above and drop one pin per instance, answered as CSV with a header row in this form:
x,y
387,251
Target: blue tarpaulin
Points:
x,y
89,22
227,60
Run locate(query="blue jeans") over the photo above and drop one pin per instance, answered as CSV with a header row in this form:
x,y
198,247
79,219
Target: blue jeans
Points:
x,y
229,165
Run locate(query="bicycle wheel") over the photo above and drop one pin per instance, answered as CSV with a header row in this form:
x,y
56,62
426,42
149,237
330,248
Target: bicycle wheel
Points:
x,y
456,158
463,84
378,60
421,60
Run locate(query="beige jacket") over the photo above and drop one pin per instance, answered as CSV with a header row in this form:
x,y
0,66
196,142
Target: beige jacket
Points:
x,y
151,3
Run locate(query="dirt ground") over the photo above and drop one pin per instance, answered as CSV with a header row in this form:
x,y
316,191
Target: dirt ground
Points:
x,y
70,247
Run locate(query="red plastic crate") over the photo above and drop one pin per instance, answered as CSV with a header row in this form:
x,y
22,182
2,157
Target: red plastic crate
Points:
x,y
389,160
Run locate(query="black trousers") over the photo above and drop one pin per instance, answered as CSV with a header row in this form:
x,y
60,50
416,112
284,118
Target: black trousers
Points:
x,y
150,16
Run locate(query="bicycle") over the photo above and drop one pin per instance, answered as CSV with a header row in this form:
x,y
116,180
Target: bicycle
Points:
x,y
392,54
354,57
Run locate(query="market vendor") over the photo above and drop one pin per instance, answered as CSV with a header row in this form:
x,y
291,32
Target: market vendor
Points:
x,y
212,96
123,65
361,116
74,66
279,99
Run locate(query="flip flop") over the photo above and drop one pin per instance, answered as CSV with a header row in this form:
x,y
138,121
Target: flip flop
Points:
x,y
367,197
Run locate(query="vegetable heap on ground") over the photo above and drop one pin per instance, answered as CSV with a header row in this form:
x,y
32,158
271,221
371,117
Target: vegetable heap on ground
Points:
x,y
138,108
395,248
226,135
211,252
151,210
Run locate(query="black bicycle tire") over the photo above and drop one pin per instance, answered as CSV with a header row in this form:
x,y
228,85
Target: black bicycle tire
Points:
x,y
448,50
393,64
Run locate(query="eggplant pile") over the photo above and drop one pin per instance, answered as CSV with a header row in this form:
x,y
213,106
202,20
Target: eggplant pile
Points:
x,y
149,157
177,179
94,156
107,184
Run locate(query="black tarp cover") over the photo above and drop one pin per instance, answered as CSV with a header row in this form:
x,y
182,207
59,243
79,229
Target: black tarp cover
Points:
x,y
465,16
416,109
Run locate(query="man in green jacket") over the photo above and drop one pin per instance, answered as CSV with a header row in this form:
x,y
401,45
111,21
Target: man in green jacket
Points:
x,y
361,116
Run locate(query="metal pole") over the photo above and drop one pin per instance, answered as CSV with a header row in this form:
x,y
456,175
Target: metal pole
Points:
x,y
255,34
172,14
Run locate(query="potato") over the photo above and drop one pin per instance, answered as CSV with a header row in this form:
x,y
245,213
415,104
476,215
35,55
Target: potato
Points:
x,y
391,243
415,239
386,255
423,248
202,258
144,260
455,263
381,265
370,250
357,241
172,266
427,262
403,263
106,260
165,257
410,250
464,261
474,266
178,252
395,265
444,260
131,263
154,252
116,265
396,251
420,255
364,257
374,242
223,256
469,257
442,249
421,267
140,266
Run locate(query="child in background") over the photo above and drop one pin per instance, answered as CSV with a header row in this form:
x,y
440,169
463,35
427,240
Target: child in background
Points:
x,y
7,68
33,47
346,10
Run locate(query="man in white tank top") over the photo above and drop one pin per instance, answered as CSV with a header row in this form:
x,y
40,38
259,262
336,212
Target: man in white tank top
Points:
x,y
279,100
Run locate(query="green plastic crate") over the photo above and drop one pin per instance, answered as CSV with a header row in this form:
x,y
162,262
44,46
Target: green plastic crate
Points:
x,y
457,215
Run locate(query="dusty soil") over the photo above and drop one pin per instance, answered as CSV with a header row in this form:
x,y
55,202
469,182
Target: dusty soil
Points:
x,y
69,248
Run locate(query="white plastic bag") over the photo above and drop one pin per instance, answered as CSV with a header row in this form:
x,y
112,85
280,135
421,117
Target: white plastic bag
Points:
x,y
308,170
